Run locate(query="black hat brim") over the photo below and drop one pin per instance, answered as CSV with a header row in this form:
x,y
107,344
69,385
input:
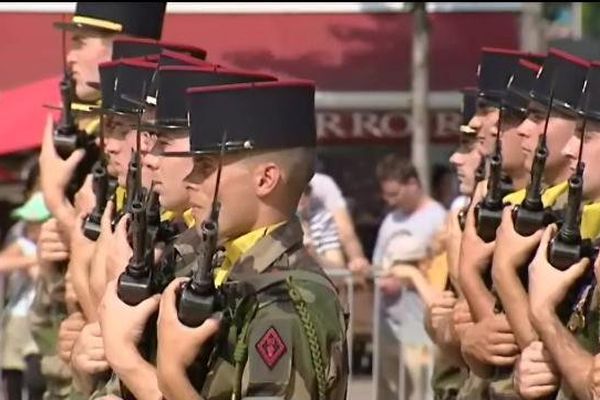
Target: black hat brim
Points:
x,y
78,27
230,147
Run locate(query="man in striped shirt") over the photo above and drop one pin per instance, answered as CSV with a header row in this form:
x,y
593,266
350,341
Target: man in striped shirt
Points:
x,y
321,236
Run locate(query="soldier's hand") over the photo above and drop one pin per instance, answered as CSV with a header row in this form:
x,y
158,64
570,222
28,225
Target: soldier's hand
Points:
x,y
52,244
120,252
55,173
68,333
548,285
70,295
453,238
461,318
491,341
438,312
178,345
594,379
82,248
85,199
98,274
123,325
513,251
475,254
535,373
88,352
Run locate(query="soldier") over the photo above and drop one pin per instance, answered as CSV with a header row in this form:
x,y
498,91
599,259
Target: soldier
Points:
x,y
170,124
564,302
293,345
561,75
449,369
496,70
95,25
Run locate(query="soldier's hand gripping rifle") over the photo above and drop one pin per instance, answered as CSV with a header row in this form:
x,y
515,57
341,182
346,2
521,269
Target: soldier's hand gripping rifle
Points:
x,y
568,247
488,212
196,301
531,215
67,135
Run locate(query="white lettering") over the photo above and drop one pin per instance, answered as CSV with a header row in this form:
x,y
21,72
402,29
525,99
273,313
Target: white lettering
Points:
x,y
365,124
329,124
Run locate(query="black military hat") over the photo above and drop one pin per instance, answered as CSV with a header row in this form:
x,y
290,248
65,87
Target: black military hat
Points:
x,y
495,69
589,102
137,47
254,116
565,74
170,58
173,81
519,86
141,19
123,80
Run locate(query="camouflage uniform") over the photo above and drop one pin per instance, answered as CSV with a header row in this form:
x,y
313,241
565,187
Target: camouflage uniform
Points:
x,y
284,319
47,312
584,329
448,377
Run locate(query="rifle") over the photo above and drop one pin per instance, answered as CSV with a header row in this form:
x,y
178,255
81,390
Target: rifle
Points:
x,y
135,283
196,301
103,190
488,212
198,298
531,215
568,247
67,135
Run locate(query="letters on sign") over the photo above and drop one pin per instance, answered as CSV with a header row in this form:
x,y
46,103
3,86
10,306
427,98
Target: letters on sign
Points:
x,y
340,126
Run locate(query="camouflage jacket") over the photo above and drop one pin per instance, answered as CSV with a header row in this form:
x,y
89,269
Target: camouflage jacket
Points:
x,y
584,322
285,330
47,312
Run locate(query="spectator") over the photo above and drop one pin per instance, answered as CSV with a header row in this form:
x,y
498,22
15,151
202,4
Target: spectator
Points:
x,y
412,212
320,232
406,260
411,208
326,194
20,359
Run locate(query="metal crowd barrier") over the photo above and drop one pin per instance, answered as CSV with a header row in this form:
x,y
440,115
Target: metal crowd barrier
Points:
x,y
420,387
340,274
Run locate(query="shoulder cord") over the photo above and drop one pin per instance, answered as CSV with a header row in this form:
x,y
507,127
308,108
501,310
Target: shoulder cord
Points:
x,y
311,335
240,353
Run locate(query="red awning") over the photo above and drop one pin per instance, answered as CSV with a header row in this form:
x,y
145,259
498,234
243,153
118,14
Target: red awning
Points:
x,y
22,115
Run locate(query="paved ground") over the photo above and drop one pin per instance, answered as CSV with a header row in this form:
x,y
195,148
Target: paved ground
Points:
x,y
361,388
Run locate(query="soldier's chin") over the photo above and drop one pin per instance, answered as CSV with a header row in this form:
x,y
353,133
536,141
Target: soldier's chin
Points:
x,y
466,188
86,93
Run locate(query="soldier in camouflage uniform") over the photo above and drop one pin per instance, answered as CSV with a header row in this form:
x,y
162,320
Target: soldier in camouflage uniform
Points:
x,y
170,124
282,332
449,371
497,68
513,251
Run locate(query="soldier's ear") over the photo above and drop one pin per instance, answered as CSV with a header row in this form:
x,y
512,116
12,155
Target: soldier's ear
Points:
x,y
267,177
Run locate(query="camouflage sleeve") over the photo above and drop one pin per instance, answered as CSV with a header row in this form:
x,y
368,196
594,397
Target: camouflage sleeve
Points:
x,y
46,313
297,349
